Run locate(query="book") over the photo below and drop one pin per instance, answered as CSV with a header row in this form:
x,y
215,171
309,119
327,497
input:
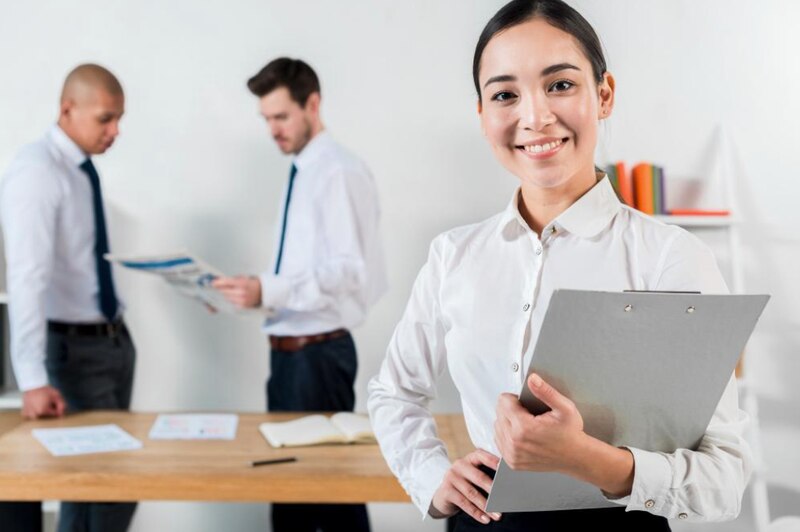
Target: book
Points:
x,y
317,429
625,182
643,187
699,212
663,189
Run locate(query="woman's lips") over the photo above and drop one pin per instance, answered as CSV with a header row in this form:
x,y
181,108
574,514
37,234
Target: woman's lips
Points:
x,y
543,149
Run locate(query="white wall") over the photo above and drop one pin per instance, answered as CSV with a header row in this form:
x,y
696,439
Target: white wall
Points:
x,y
194,166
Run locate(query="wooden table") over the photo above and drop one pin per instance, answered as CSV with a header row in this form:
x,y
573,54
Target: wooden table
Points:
x,y
200,470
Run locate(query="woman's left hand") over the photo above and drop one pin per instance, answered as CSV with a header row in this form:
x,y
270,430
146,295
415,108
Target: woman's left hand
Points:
x,y
538,443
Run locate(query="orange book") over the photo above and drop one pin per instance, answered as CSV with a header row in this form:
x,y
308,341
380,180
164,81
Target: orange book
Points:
x,y
642,175
625,184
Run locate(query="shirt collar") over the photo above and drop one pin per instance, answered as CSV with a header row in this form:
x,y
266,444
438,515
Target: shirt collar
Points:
x,y
585,218
313,150
66,146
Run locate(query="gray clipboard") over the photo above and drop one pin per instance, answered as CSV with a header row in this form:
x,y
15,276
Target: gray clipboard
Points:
x,y
645,369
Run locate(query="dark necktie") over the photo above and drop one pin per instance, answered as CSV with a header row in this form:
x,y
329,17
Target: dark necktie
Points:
x,y
108,298
292,173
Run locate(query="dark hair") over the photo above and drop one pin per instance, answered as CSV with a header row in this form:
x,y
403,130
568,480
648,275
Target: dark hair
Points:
x,y
558,14
294,74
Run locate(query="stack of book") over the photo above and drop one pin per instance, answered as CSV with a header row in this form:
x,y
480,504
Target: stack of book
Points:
x,y
644,188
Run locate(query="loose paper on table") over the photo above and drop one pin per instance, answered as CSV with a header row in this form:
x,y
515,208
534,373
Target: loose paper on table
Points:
x,y
194,427
73,441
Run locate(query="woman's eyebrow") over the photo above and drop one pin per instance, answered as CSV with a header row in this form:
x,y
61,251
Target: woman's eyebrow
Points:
x,y
552,69
499,79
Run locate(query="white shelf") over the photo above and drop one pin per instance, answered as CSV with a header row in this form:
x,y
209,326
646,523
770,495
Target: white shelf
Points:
x,y
697,221
11,400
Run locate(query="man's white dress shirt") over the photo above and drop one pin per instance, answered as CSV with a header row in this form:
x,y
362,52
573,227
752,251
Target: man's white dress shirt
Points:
x,y
332,269
49,230
477,307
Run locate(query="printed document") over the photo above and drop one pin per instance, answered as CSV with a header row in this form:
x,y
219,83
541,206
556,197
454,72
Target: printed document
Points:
x,y
73,441
187,274
194,427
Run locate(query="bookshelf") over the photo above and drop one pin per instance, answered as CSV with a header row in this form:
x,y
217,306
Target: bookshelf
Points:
x,y
690,222
9,397
747,394
721,190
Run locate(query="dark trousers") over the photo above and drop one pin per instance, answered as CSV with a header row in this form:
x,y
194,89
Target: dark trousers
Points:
x,y
616,519
92,373
318,378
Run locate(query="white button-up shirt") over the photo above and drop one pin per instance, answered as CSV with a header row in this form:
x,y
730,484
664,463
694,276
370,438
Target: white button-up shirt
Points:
x,y
477,306
48,225
332,269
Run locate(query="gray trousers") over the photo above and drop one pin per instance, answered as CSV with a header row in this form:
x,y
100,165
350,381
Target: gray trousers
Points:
x,y
92,373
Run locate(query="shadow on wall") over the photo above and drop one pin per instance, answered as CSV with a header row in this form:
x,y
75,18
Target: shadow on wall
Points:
x,y
783,501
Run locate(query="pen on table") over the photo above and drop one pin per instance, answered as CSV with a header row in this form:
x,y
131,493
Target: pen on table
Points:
x,y
273,461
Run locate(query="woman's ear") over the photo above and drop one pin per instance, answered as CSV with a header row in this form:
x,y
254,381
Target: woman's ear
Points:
x,y
605,95
480,117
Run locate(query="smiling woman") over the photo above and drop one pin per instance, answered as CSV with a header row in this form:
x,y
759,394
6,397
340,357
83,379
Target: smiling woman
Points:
x,y
542,89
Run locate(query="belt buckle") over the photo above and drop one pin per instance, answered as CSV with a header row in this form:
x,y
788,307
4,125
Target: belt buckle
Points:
x,y
111,330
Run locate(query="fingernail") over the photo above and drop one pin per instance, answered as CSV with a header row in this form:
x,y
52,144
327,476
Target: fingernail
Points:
x,y
485,519
496,515
536,380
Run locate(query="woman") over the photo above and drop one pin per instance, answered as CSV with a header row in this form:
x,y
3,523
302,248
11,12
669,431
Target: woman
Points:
x,y
479,301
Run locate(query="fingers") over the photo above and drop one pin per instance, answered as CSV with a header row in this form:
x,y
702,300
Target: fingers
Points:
x,y
227,283
234,294
508,406
479,456
468,478
470,501
59,405
549,395
27,412
221,282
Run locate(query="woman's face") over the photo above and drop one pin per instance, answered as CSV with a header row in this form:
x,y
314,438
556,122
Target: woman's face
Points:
x,y
540,104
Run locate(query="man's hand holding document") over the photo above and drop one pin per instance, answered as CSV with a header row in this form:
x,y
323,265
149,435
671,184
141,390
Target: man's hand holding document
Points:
x,y
187,274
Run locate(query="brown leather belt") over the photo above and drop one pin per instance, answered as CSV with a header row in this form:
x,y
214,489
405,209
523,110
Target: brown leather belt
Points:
x,y
296,343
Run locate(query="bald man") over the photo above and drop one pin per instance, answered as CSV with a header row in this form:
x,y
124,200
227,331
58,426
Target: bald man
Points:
x,y
69,346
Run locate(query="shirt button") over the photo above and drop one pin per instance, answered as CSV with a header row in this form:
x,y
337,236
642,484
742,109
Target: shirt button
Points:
x,y
515,367
649,503
683,516
538,250
526,307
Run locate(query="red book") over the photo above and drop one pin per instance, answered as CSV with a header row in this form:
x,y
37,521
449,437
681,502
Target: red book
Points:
x,y
699,212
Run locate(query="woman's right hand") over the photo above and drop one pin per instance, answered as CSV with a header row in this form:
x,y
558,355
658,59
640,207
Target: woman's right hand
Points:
x,y
459,489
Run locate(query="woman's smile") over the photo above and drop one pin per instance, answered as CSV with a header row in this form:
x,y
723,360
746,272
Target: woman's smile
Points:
x,y
542,149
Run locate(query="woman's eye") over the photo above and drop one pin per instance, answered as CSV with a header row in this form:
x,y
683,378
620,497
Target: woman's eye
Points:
x,y
561,85
502,96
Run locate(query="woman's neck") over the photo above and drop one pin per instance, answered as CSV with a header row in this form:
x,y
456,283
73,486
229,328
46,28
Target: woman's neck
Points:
x,y
539,206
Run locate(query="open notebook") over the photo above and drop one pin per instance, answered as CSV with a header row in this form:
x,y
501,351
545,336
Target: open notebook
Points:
x,y
317,429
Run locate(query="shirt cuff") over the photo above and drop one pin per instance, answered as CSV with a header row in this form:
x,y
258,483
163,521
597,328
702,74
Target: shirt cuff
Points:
x,y
427,480
30,375
275,291
652,478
